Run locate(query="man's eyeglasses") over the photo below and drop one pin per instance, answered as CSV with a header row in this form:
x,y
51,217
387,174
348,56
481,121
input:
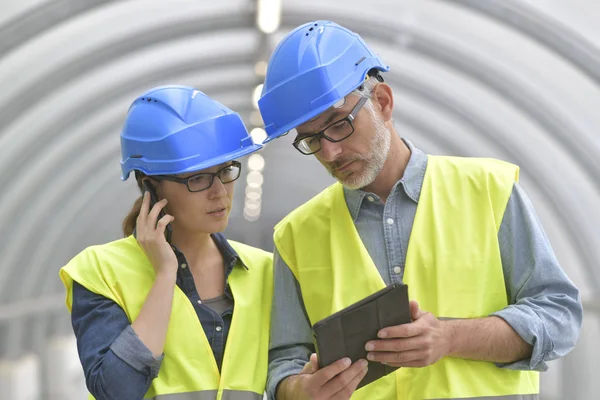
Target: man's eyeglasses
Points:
x,y
335,132
204,180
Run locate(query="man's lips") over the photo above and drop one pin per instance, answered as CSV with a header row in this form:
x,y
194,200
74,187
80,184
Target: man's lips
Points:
x,y
343,167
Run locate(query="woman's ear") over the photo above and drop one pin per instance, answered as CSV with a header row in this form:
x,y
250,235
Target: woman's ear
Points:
x,y
383,99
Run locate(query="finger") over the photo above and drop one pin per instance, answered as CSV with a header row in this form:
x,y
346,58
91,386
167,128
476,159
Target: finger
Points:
x,y
341,383
153,216
311,366
395,344
415,311
325,374
141,219
411,329
396,358
314,363
162,223
351,388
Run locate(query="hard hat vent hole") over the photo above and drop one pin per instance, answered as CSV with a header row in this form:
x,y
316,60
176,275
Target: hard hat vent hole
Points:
x,y
311,29
316,24
307,34
149,99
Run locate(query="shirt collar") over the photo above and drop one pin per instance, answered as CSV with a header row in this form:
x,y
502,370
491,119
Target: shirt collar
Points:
x,y
230,256
411,182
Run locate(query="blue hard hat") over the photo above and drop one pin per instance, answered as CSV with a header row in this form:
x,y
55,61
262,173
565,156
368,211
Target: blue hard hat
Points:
x,y
312,68
176,129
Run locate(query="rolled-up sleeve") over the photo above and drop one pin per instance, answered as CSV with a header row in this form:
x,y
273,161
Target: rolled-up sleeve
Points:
x,y
129,348
116,363
291,336
544,305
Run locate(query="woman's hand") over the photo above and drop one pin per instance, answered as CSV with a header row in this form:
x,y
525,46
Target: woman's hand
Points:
x,y
151,236
153,320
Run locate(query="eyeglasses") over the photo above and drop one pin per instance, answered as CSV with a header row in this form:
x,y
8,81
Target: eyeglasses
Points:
x,y
204,180
335,132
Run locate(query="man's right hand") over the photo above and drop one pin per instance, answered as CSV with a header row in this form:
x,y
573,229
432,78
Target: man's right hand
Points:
x,y
337,381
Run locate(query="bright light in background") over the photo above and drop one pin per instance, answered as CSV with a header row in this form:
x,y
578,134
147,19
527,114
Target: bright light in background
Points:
x,y
252,209
258,135
252,205
254,182
254,178
250,215
268,18
268,15
260,68
256,95
253,196
254,189
256,162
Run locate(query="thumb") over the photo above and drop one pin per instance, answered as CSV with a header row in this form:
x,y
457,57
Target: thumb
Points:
x,y
415,311
311,366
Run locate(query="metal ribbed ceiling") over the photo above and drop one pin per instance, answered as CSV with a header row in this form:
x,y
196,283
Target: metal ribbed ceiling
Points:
x,y
517,80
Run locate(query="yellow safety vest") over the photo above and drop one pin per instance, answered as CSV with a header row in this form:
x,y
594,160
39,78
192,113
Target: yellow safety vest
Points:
x,y
453,269
120,271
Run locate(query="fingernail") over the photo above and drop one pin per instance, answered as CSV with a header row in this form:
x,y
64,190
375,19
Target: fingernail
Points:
x,y
370,356
363,364
347,362
382,334
369,347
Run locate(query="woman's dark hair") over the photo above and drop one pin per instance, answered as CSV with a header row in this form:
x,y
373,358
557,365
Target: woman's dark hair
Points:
x,y
131,218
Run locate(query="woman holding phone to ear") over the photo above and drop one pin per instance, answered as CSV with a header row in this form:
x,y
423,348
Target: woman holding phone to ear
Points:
x,y
174,310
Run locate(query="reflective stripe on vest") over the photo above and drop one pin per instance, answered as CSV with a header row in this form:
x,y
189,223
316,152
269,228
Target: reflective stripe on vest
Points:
x,y
453,269
121,272
211,395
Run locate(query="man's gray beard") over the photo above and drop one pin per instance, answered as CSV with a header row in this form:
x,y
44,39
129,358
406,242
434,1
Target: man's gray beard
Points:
x,y
373,162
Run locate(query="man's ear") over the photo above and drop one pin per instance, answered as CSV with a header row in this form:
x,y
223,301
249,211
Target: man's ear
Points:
x,y
383,100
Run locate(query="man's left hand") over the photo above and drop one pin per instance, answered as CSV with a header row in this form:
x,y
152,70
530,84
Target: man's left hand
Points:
x,y
417,344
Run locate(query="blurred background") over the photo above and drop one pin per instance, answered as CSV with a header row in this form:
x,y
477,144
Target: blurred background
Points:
x,y
513,79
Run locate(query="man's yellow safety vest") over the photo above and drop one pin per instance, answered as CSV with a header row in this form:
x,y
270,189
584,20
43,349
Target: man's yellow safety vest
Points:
x,y
453,269
120,271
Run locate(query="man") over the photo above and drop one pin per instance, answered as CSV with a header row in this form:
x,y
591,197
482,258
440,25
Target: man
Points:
x,y
493,303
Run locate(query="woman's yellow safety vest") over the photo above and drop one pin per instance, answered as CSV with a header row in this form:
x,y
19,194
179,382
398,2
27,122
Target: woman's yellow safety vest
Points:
x,y
120,271
453,269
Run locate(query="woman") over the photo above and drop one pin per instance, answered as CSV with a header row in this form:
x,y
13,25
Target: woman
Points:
x,y
152,312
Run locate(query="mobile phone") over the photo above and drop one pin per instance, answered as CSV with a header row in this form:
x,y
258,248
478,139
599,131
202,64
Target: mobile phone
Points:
x,y
153,200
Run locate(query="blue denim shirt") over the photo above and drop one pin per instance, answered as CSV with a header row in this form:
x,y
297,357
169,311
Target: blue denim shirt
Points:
x,y
544,305
116,364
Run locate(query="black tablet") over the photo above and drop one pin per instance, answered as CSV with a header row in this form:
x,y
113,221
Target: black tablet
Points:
x,y
345,333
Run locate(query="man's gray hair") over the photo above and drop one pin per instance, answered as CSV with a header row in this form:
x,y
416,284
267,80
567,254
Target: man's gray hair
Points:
x,y
366,88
